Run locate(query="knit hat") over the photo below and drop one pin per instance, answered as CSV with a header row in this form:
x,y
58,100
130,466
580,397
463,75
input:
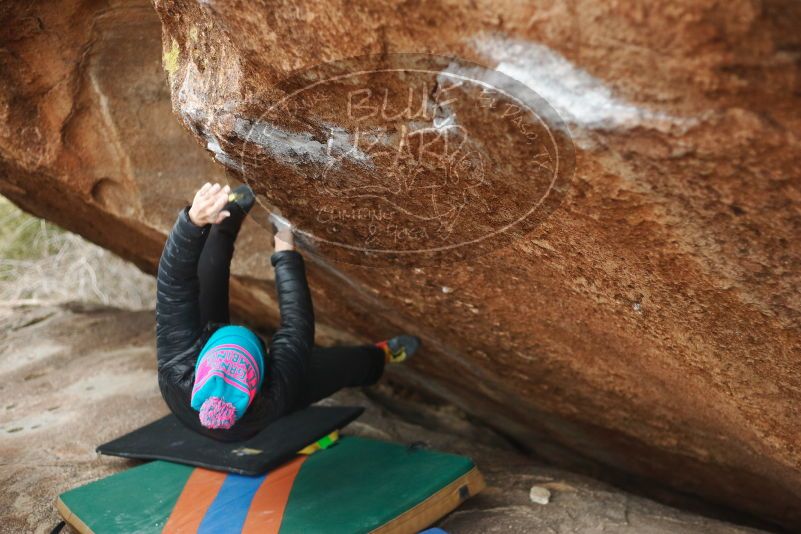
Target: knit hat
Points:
x,y
228,374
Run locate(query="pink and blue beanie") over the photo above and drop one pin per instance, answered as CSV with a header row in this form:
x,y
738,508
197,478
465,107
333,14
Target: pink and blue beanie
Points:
x,y
228,373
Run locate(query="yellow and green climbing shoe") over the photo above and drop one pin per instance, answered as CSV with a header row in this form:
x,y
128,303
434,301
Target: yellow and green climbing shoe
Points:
x,y
399,348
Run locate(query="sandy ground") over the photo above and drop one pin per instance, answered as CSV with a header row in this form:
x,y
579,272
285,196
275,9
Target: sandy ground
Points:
x,y
75,376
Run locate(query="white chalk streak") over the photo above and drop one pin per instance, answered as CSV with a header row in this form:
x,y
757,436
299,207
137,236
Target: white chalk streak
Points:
x,y
299,147
580,98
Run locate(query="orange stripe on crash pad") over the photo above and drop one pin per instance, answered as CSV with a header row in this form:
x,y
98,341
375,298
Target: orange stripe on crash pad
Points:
x,y
268,505
195,499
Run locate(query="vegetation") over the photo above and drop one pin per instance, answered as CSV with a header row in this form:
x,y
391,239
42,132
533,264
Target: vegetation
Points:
x,y
41,262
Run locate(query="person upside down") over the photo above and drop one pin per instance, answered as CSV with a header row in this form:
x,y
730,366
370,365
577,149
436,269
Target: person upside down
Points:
x,y
223,380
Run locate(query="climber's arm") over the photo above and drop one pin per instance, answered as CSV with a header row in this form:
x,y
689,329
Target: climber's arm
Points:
x,y
177,286
292,343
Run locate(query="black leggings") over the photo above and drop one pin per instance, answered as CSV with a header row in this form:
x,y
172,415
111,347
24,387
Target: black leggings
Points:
x,y
328,369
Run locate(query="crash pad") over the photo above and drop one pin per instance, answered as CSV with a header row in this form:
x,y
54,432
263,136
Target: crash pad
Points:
x,y
168,439
357,485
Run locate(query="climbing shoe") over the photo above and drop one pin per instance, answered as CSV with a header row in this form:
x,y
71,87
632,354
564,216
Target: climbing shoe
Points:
x,y
241,197
399,348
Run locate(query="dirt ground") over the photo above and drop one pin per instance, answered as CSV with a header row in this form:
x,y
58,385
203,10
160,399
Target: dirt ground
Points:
x,y
75,376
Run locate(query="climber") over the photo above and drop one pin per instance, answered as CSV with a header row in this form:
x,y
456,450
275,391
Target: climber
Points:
x,y
222,380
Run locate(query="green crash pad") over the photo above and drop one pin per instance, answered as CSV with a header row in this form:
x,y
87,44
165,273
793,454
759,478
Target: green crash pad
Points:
x,y
357,485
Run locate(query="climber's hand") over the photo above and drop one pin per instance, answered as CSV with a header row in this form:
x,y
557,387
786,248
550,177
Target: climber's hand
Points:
x,y
284,240
207,207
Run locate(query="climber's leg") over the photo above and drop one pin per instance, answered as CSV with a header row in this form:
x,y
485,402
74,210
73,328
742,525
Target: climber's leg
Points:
x,y
214,265
334,368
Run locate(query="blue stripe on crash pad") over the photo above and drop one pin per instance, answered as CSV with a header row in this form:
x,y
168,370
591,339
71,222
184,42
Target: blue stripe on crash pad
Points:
x,y
229,509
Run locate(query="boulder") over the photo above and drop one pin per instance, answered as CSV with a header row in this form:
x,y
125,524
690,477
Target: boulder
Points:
x,y
103,360
607,273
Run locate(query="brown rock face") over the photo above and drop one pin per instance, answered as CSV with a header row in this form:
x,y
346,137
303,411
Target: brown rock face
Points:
x,y
88,137
105,359
631,296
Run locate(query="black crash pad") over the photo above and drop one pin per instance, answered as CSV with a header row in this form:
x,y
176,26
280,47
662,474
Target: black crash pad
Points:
x,y
168,439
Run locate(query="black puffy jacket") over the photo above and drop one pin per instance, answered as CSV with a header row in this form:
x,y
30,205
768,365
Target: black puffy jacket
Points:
x,y
180,336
